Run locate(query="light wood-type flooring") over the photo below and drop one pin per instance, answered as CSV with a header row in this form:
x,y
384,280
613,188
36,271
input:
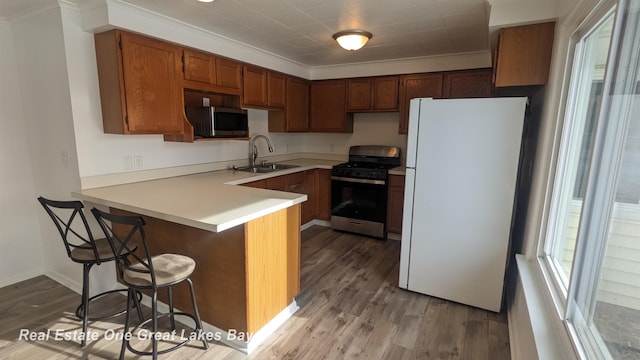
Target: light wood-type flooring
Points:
x,y
350,308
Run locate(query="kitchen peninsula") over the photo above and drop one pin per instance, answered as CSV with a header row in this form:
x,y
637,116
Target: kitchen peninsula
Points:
x,y
245,241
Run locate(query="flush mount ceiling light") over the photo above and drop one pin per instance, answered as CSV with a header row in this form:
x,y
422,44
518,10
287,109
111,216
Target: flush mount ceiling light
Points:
x,y
205,0
352,39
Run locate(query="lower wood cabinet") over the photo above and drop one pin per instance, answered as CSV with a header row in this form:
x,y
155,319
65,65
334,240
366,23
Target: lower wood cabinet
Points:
x,y
323,203
303,182
395,202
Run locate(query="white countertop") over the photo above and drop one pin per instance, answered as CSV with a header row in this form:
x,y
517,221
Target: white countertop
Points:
x,y
208,201
400,170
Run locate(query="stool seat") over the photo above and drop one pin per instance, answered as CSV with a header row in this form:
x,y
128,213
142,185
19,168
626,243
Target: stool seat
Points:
x,y
168,269
84,253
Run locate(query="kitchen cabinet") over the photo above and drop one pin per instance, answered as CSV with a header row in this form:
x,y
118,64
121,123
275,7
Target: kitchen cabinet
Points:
x,y
260,184
207,72
417,86
295,116
276,90
468,84
323,188
328,110
277,183
523,55
395,202
309,206
303,182
140,85
372,94
255,86
263,88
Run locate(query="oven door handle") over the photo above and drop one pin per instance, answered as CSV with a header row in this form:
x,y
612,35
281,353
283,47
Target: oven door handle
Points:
x,y
361,181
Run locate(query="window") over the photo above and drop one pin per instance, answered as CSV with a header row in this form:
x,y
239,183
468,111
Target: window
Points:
x,y
592,245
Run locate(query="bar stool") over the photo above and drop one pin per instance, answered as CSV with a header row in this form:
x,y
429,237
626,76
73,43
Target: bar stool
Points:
x,y
148,273
84,249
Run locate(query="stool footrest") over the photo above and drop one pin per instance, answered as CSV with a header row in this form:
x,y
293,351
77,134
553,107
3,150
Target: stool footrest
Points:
x,y
80,310
164,351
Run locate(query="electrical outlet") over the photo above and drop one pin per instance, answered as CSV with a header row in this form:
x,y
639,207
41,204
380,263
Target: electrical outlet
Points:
x,y
127,163
206,102
64,158
137,162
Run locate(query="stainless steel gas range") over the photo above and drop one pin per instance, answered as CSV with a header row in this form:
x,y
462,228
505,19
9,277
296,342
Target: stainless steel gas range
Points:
x,y
359,190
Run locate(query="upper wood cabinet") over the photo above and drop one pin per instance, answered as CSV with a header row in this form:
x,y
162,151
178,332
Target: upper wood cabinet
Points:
x,y
203,71
372,94
524,55
295,116
467,84
263,88
255,86
276,90
328,109
140,85
417,86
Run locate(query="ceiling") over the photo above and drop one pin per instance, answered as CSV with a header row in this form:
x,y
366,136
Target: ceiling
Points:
x,y
301,30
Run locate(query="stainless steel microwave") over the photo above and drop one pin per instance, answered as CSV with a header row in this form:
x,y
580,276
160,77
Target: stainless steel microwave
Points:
x,y
213,121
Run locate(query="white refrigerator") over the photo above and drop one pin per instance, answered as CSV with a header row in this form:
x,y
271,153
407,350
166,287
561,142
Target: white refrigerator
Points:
x,y
462,166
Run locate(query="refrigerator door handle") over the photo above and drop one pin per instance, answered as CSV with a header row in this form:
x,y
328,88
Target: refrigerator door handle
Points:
x,y
407,220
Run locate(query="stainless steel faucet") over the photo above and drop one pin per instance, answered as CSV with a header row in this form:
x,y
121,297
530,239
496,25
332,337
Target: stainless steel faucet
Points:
x,y
253,149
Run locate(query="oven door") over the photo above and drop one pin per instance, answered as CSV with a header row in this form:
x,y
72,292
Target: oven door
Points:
x,y
359,205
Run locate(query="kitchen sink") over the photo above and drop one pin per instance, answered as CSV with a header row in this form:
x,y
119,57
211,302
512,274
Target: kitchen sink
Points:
x,y
266,168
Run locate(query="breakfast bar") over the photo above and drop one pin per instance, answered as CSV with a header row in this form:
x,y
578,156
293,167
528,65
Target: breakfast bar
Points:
x,y
245,241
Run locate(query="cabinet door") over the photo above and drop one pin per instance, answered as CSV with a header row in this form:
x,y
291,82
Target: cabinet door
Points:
x,y
261,184
309,206
524,55
199,67
395,202
358,94
297,107
152,87
229,74
328,107
417,86
277,183
255,86
276,90
323,205
467,84
385,93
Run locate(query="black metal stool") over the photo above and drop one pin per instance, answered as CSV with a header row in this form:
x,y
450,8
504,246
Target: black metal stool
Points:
x,y
151,273
86,250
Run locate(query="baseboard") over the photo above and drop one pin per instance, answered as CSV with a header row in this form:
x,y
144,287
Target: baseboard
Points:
x,y
318,222
21,277
394,236
234,339
66,281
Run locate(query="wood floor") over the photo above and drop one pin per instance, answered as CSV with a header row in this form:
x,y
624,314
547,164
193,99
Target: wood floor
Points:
x,y
350,308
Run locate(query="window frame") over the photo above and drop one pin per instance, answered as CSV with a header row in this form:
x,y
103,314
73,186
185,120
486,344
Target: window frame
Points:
x,y
559,293
580,297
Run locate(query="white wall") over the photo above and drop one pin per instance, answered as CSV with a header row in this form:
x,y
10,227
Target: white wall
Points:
x,y
20,251
48,119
